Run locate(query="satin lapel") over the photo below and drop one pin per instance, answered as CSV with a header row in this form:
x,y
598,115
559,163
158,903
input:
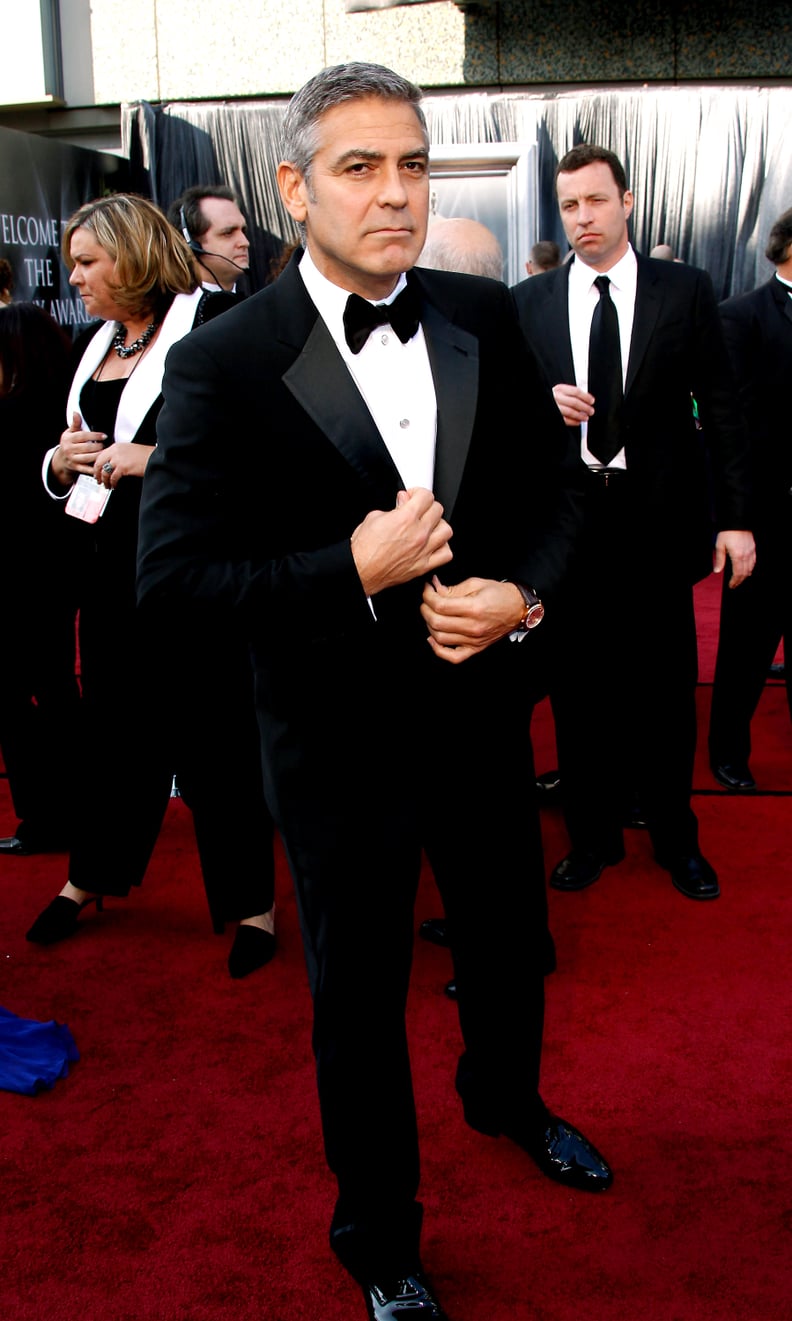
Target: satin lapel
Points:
x,y
454,359
648,301
322,385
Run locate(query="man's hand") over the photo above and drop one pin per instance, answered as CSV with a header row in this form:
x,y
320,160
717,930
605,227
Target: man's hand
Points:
x,y
740,548
403,543
467,618
574,404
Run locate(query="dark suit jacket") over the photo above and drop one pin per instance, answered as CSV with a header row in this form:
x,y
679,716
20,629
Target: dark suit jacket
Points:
x,y
267,460
758,330
676,352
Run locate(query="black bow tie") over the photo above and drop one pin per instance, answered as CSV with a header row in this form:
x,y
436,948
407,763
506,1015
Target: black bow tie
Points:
x,y
361,317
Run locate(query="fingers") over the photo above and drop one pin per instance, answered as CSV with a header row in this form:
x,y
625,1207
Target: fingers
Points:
x,y
574,405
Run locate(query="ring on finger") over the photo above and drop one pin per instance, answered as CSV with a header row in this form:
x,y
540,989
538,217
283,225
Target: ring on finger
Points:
x,y
108,468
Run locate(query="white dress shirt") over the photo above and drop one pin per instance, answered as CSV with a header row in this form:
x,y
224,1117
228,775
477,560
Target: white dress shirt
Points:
x,y
394,379
583,298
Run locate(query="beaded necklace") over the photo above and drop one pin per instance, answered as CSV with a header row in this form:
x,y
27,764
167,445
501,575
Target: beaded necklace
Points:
x,y
137,346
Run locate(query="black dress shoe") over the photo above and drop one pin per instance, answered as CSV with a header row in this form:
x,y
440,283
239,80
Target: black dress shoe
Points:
x,y
692,875
580,869
563,1154
58,920
435,930
734,776
13,845
23,848
548,787
253,947
450,990
400,1300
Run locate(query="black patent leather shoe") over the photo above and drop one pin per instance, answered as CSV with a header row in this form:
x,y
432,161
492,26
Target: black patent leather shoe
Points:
x,y
401,1300
734,776
565,1155
450,989
548,787
13,845
692,875
58,920
435,930
580,869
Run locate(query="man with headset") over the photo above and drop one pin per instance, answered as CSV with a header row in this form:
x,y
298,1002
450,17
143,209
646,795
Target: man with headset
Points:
x,y
209,217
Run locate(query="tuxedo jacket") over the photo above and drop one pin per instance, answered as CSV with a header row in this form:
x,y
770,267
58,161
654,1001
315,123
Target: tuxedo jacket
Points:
x,y
268,459
758,331
683,479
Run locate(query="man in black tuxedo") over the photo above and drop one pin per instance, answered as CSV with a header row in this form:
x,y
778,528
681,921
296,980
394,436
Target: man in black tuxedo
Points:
x,y
758,331
627,344
308,475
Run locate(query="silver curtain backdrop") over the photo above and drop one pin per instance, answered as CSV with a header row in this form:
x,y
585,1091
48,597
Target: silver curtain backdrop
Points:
x,y
711,167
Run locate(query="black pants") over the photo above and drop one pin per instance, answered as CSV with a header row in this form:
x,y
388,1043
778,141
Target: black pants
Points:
x,y
754,618
623,685
39,698
372,765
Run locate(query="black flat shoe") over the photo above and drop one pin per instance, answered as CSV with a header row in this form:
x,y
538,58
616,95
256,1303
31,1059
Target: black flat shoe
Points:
x,y
581,869
565,1155
400,1300
692,875
252,948
734,776
58,921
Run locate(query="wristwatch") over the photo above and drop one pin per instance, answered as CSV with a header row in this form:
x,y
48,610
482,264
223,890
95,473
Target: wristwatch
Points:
x,y
534,610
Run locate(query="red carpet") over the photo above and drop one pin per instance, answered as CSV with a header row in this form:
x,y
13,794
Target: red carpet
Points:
x,y
177,1173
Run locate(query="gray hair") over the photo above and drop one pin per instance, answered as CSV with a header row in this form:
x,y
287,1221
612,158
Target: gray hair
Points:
x,y
330,88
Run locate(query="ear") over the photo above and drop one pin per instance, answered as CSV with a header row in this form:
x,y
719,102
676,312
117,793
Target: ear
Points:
x,y
628,201
293,191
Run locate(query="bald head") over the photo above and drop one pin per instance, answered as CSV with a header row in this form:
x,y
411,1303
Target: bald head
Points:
x,y
459,244
663,251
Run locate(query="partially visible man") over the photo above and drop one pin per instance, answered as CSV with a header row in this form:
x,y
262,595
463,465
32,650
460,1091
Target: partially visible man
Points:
x,y
758,331
545,256
457,243
209,217
372,408
625,342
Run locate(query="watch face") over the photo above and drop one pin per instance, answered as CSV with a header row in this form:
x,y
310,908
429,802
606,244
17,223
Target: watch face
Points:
x,y
534,616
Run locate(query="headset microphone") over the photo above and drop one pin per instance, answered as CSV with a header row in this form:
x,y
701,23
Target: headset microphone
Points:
x,y
195,246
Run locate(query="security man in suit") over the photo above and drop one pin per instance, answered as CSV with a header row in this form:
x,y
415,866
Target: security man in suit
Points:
x,y
368,528
209,218
627,343
758,331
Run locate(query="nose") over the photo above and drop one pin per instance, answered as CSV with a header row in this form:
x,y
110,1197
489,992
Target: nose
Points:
x,y
74,278
393,191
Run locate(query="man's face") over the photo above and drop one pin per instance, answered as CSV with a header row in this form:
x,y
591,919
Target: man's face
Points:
x,y
366,202
225,237
593,214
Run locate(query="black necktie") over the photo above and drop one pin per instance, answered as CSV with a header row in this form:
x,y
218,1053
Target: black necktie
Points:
x,y
361,317
605,377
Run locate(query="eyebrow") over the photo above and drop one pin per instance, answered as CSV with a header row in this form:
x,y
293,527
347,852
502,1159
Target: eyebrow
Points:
x,y
367,154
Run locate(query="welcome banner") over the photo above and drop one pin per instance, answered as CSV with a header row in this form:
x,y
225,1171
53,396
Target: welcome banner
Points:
x,y
42,183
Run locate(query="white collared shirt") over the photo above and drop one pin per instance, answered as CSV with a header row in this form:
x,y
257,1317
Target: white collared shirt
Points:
x,y
583,298
394,379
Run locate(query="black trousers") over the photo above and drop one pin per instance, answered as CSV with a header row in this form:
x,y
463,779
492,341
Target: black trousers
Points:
x,y
623,684
754,618
39,699
438,760
218,771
